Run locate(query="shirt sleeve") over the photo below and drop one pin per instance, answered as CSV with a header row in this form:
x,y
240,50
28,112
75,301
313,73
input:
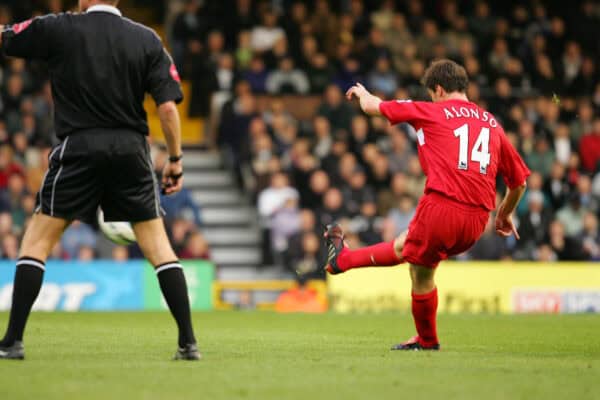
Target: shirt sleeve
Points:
x,y
397,111
163,82
34,38
513,169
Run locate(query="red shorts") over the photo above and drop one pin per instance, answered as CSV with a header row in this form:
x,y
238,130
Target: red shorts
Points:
x,y
441,228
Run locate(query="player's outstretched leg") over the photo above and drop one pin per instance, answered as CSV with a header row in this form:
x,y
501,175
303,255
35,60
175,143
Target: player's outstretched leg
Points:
x,y
341,259
42,234
153,241
424,310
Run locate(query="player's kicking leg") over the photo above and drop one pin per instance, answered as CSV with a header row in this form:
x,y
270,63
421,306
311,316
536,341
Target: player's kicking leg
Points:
x,y
424,293
153,241
341,259
40,237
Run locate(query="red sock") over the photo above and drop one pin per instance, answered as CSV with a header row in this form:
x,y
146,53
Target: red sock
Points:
x,y
424,310
380,254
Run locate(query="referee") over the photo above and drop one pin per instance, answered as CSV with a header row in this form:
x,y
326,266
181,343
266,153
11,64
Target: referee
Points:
x,y
101,65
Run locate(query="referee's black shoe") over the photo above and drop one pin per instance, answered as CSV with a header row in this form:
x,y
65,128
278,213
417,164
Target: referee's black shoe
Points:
x,y
189,352
14,352
334,236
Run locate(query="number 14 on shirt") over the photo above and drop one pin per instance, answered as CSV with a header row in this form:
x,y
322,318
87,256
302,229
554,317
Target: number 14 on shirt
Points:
x,y
479,153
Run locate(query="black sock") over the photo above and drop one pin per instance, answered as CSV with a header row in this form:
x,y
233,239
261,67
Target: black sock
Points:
x,y
28,281
174,289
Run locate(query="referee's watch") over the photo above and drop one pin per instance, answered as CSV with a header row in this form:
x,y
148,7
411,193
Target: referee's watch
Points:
x,y
175,158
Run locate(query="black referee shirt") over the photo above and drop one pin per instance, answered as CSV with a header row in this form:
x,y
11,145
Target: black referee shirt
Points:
x,y
101,65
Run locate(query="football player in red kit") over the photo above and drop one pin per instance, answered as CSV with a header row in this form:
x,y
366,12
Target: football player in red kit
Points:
x,y
461,149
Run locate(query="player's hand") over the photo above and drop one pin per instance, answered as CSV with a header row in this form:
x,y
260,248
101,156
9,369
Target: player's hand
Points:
x,y
172,178
505,226
357,90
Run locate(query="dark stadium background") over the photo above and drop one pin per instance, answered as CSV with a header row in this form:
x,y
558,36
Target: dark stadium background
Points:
x,y
264,81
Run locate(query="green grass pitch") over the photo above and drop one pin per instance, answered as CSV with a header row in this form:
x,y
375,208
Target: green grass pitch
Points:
x,y
262,355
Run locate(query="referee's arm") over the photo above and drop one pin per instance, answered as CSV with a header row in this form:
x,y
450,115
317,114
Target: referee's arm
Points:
x,y
34,38
172,178
163,84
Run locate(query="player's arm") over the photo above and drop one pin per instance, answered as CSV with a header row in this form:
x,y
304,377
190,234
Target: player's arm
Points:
x,y
368,102
515,173
172,179
504,223
395,111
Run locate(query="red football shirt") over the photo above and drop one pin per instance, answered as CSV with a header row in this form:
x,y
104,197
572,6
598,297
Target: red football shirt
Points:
x,y
461,149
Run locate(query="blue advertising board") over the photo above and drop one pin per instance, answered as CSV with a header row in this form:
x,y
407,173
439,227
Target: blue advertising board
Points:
x,y
73,286
106,285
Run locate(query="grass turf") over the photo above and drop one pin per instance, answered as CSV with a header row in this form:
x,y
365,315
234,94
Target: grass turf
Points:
x,y
261,355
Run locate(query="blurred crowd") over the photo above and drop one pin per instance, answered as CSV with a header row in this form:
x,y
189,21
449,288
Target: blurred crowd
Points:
x,y
315,158
533,64
26,139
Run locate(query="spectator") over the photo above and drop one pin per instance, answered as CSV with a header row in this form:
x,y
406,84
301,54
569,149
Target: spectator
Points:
x,y
381,79
541,158
319,73
584,121
8,166
308,224
14,198
180,204
533,227
556,188
244,53
518,58
285,223
196,248
287,79
490,246
85,253
348,74
400,216
318,186
256,75
274,198
76,236
10,247
565,247
120,254
571,216
265,35
590,237
401,151
357,192
323,139
333,207
188,25
584,190
335,109
308,264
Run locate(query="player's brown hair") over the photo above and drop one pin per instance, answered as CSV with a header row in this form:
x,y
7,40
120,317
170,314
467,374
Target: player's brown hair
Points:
x,y
451,76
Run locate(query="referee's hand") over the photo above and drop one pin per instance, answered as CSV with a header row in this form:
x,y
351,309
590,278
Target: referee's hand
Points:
x,y
172,177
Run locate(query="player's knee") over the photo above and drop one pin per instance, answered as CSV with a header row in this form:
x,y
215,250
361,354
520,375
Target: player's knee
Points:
x,y
422,278
399,244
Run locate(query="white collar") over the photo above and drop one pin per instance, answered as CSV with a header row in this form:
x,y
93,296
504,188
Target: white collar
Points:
x,y
104,8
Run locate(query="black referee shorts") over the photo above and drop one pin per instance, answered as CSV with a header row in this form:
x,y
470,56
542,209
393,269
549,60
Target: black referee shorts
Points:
x,y
111,169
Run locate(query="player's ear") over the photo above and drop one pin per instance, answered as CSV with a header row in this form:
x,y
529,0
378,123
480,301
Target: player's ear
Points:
x,y
439,91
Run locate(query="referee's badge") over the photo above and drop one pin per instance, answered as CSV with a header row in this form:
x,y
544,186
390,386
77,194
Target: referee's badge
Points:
x,y
20,27
174,73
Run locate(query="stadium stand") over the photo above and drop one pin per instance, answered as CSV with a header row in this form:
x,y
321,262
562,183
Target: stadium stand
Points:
x,y
265,83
